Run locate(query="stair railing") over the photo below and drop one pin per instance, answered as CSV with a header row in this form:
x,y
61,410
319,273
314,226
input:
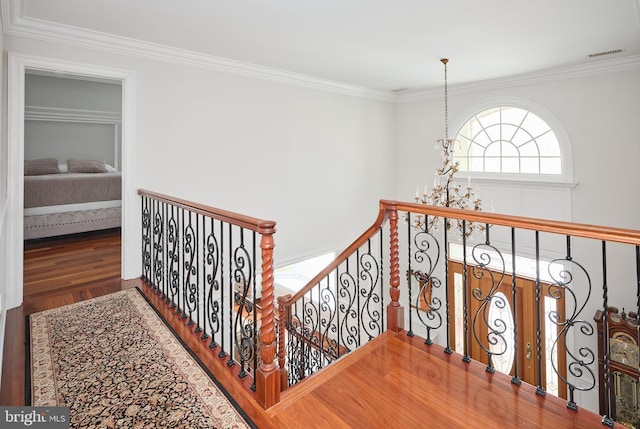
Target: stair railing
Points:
x,y
342,307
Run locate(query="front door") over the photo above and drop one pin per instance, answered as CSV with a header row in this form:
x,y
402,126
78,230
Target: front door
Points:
x,y
493,332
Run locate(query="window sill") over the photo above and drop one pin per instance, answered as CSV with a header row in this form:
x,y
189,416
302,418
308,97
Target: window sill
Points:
x,y
521,183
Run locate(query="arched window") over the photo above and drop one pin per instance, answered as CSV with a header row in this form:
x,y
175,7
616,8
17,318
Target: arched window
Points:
x,y
511,141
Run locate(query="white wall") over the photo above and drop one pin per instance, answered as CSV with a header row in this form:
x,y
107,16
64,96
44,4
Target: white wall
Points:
x,y
65,92
4,251
72,118
307,159
315,162
63,140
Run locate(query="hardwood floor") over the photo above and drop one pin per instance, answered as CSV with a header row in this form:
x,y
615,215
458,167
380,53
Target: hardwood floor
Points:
x,y
395,381
63,270
57,272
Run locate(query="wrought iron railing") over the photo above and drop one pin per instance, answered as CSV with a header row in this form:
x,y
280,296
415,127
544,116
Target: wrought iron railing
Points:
x,y
342,310
520,296
204,262
528,297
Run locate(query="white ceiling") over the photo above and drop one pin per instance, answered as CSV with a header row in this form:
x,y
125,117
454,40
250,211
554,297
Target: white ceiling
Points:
x,y
376,44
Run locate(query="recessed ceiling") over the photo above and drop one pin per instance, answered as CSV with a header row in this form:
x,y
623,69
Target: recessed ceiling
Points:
x,y
377,44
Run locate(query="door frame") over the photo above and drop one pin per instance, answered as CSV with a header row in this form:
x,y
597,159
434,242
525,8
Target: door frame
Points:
x,y
18,64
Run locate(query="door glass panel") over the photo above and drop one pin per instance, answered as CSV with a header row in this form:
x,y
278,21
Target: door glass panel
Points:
x,y
551,352
501,343
459,315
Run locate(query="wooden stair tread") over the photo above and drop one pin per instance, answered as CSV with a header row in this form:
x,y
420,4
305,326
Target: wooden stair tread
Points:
x,y
293,394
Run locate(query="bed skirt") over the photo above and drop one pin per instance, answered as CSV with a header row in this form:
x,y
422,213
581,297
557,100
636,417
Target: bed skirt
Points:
x,y
49,225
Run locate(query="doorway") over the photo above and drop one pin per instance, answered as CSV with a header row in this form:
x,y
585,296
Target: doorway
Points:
x,y
19,64
494,333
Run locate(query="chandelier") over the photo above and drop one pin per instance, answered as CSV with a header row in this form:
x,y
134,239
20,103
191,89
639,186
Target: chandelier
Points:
x,y
446,191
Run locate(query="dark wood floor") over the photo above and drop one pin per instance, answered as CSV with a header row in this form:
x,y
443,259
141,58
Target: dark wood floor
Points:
x,y
57,271
63,270
394,382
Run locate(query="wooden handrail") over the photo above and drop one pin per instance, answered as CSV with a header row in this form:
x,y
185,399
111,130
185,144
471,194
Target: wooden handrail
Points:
x,y
618,235
287,300
258,225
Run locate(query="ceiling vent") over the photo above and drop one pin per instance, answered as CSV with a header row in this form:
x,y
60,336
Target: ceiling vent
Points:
x,y
600,54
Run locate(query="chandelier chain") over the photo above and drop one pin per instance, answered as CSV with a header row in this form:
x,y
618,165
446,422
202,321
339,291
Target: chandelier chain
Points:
x,y
446,102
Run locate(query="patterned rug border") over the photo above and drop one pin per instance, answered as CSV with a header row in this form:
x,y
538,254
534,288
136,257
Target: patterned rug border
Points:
x,y
28,383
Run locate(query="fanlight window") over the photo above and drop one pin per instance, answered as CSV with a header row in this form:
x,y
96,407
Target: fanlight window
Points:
x,y
508,140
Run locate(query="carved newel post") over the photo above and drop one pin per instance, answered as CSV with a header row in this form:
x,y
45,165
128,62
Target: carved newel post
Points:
x,y
395,312
267,375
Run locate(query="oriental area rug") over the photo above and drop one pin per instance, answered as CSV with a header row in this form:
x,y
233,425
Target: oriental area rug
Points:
x,y
113,361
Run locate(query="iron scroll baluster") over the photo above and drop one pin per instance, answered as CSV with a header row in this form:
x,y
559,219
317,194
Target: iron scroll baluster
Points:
x,y
493,268
425,258
370,275
213,260
191,269
245,309
539,388
146,239
158,248
566,284
174,257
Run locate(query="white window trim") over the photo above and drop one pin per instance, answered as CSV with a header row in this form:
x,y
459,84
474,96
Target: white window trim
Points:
x,y
566,178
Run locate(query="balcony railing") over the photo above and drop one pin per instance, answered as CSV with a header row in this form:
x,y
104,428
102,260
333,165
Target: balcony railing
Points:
x,y
525,296
204,262
528,297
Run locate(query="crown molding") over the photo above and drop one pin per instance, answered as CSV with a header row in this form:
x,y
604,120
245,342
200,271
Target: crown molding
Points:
x,y
17,25
603,66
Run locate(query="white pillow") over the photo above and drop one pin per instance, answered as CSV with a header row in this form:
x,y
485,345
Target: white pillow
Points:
x,y
110,168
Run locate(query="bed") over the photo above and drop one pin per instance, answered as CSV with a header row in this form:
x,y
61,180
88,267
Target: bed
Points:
x,y
79,196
